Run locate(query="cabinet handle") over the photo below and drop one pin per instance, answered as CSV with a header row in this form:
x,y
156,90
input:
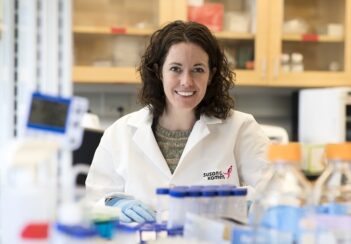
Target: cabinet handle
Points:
x,y
264,69
276,68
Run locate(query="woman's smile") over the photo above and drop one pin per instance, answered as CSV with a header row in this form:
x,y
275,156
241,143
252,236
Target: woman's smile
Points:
x,y
185,93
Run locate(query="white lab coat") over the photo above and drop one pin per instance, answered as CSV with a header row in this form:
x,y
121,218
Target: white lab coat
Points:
x,y
128,159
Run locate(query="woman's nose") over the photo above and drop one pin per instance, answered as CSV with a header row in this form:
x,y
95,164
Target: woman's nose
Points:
x,y
187,79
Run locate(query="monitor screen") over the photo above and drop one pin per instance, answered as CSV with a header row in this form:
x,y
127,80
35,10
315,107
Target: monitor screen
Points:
x,y
48,113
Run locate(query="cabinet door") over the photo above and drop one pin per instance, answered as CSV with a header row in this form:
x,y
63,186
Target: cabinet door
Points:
x,y
110,36
309,43
241,27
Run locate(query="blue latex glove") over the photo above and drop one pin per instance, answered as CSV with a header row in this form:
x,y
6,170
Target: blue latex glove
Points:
x,y
134,211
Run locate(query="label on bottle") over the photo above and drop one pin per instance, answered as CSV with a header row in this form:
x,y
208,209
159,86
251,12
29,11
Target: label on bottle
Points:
x,y
283,219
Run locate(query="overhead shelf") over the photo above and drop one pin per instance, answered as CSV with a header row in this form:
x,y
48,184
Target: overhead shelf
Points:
x,y
312,38
311,79
115,30
89,74
112,30
126,75
99,24
234,35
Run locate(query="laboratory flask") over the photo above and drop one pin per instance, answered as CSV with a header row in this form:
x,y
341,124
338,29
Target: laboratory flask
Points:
x,y
283,198
332,190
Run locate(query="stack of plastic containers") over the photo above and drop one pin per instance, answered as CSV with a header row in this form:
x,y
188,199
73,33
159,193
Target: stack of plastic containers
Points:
x,y
225,201
279,207
210,201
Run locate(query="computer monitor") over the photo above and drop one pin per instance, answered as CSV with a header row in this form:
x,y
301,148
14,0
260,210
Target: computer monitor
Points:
x,y
85,153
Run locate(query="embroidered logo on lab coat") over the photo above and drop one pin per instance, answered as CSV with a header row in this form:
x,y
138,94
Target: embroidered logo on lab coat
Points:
x,y
218,175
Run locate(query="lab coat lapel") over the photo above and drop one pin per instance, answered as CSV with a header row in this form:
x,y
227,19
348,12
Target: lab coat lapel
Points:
x,y
144,138
199,132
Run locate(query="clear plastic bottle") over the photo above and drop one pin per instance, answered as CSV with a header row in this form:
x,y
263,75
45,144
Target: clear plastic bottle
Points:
x,y
223,194
177,207
332,190
229,211
279,206
239,204
194,197
208,201
162,195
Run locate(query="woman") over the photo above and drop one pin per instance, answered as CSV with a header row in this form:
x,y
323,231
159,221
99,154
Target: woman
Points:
x,y
187,133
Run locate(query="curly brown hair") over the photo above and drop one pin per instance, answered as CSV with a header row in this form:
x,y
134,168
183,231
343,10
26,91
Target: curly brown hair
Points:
x,y
217,101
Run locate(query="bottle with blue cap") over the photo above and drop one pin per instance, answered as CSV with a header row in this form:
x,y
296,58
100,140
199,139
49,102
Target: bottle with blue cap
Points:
x,y
208,201
177,207
162,195
236,204
223,193
193,199
239,204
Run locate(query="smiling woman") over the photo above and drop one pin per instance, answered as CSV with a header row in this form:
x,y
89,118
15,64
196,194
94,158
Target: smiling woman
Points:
x,y
185,76
187,134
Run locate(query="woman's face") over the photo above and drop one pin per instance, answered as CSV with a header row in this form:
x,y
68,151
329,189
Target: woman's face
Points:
x,y
185,76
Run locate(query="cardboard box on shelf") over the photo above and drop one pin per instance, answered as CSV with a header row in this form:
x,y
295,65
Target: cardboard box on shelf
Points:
x,y
209,14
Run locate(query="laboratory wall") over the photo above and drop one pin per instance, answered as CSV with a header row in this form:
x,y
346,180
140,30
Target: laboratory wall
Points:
x,y
271,106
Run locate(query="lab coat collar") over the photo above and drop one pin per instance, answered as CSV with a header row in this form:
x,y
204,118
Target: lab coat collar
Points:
x,y
143,123
142,117
198,133
210,120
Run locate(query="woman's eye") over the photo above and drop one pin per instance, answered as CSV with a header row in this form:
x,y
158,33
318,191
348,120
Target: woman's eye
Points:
x,y
176,69
198,70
